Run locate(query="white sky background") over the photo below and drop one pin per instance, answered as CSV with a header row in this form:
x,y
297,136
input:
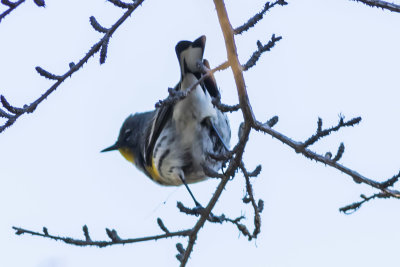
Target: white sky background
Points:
x,y
335,57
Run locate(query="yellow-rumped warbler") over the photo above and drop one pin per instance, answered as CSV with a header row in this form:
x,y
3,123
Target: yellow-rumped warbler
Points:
x,y
172,143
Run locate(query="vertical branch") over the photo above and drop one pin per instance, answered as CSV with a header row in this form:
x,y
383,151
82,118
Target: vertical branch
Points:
x,y
233,60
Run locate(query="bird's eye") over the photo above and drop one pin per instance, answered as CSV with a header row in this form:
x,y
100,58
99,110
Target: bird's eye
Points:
x,y
127,134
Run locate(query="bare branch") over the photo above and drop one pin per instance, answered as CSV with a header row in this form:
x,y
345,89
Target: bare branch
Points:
x,y
349,209
121,4
223,107
233,60
233,157
261,49
103,51
339,153
382,4
115,240
390,182
96,25
73,67
8,3
213,218
8,107
323,133
40,3
254,173
300,148
113,235
250,198
11,6
85,232
4,114
162,226
257,17
181,251
48,75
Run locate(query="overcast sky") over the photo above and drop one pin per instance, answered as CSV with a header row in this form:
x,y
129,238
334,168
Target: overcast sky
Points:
x,y
336,57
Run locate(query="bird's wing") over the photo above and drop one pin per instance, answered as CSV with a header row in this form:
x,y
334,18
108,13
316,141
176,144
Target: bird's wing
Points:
x,y
162,116
209,83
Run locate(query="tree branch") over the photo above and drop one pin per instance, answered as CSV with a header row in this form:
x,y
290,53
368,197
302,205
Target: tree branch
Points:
x,y
175,95
349,209
323,133
115,240
233,60
11,6
382,4
257,17
301,148
234,157
261,49
102,44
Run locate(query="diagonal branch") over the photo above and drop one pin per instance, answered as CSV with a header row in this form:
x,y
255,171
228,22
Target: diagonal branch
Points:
x,y
300,148
11,6
382,4
257,17
102,44
349,209
323,133
250,198
175,95
260,50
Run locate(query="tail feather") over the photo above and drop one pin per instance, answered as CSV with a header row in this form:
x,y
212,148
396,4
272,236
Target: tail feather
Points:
x,y
189,54
210,83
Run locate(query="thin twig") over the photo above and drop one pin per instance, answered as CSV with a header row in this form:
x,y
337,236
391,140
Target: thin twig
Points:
x,y
250,197
382,4
260,50
162,226
224,107
300,148
257,17
114,239
323,133
11,7
391,181
349,209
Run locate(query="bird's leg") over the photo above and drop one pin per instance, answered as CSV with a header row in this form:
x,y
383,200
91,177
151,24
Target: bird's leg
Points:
x,y
198,205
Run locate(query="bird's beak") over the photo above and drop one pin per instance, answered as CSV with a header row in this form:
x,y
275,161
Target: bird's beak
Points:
x,y
111,148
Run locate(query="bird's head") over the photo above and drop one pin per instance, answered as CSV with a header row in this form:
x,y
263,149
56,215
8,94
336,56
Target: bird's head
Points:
x,y
126,142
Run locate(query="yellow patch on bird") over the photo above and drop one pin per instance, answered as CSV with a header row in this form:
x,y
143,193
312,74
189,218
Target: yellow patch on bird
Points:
x,y
127,153
152,170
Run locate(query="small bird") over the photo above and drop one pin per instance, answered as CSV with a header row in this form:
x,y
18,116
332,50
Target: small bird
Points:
x,y
172,143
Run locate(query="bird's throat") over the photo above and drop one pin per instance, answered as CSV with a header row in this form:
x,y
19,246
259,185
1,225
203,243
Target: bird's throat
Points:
x,y
127,153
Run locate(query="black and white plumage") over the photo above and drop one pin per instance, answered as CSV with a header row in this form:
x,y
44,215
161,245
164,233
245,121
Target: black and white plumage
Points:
x,y
172,143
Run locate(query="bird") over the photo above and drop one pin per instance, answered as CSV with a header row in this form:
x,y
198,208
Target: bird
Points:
x,y
172,144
